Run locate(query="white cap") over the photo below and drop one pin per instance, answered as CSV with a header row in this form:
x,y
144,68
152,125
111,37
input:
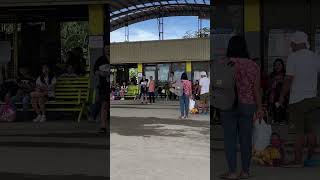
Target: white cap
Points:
x,y
300,37
203,73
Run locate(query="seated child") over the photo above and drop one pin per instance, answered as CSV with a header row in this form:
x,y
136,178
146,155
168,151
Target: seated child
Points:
x,y
7,110
273,155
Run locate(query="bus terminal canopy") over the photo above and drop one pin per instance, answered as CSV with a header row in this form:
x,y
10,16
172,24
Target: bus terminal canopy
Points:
x,y
126,12
122,12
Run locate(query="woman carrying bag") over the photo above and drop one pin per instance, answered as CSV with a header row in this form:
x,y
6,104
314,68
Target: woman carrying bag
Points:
x,y
184,91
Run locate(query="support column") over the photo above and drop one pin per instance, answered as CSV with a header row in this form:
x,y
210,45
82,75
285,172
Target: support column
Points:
x,y
252,27
99,40
53,41
140,71
189,69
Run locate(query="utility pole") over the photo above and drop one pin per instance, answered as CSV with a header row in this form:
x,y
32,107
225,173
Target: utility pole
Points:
x,y
160,27
127,33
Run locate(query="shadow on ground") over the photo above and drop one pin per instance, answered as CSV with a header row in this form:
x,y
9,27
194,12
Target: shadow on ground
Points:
x,y
16,176
146,127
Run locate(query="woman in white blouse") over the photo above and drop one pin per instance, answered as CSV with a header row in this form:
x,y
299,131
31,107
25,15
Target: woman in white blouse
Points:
x,y
44,91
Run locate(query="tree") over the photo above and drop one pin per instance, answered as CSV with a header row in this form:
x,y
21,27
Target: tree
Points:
x,y
74,34
204,32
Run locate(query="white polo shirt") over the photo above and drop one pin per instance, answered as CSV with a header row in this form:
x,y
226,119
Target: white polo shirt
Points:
x,y
205,85
304,66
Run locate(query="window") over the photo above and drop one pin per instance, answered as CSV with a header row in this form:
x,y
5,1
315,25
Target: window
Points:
x,y
150,71
163,72
178,69
197,67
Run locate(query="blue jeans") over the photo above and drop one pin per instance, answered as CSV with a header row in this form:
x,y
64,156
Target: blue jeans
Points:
x,y
25,100
184,105
237,123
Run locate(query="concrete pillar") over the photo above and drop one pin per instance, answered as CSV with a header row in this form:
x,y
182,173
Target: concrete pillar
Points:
x,y
189,69
252,27
53,40
140,71
99,39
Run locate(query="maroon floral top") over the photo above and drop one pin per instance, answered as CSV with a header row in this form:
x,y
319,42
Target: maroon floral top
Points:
x,y
247,71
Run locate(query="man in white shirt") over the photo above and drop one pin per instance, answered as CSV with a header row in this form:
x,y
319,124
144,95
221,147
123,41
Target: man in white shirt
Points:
x,y
204,83
302,71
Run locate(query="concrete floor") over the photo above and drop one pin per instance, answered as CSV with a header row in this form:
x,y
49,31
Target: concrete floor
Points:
x,y
149,143
53,151
267,173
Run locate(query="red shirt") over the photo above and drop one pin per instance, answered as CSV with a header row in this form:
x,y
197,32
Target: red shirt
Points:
x,y
187,87
247,71
152,86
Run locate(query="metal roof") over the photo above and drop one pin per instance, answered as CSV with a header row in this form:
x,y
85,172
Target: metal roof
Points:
x,y
126,12
122,12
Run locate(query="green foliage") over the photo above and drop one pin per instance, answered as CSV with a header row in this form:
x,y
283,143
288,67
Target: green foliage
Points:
x,y
204,32
133,72
74,34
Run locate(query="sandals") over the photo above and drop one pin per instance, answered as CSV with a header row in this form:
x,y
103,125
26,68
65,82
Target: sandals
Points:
x,y
244,175
102,131
229,176
294,165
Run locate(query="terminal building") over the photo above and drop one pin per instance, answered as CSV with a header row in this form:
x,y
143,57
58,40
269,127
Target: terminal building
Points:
x,y
159,58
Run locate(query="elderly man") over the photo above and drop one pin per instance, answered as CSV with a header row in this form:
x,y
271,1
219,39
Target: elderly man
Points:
x,y
302,71
204,83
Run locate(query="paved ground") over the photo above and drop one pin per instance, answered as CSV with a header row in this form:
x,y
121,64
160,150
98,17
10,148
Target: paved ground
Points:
x,y
162,109
53,151
267,173
149,143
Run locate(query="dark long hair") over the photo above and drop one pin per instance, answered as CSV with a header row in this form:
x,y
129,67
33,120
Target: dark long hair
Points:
x,y
283,71
50,75
237,48
184,76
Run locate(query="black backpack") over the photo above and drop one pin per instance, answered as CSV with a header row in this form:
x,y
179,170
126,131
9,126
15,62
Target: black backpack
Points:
x,y
225,96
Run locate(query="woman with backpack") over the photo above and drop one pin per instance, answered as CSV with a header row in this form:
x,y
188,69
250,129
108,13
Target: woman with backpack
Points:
x,y
184,91
237,120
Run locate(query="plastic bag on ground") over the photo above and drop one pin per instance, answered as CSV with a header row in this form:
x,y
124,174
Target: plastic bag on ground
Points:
x,y
192,103
261,135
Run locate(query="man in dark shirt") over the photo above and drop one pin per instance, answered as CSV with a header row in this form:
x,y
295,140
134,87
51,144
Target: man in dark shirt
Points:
x,y
101,69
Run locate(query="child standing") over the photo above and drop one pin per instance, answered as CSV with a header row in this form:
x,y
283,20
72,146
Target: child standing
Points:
x,y
7,110
123,90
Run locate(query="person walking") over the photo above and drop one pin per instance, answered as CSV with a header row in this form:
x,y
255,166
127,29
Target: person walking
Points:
x,y
238,121
102,71
204,83
152,87
185,95
143,90
301,81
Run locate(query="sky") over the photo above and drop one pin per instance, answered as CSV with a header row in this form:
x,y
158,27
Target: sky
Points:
x,y
174,28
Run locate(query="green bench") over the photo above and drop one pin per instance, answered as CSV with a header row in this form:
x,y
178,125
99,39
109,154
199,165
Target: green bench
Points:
x,y
71,93
133,91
